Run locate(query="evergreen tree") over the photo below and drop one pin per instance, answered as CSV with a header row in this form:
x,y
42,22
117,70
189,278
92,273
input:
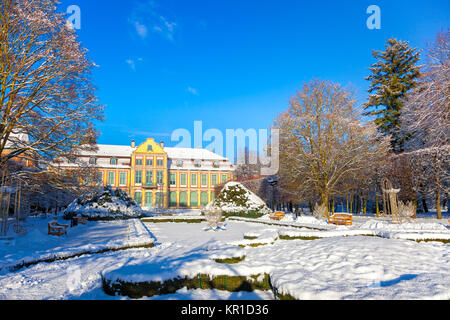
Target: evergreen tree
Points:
x,y
393,75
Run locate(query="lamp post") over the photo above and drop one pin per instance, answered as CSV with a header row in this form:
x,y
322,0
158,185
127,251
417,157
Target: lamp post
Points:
x,y
273,182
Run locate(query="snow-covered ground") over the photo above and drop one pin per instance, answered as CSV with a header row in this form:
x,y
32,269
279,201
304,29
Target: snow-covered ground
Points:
x,y
341,264
37,245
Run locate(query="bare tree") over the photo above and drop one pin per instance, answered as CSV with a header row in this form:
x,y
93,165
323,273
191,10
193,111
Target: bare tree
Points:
x,y
323,140
247,169
46,94
426,115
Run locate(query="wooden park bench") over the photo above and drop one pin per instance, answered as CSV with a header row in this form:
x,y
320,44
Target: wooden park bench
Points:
x,y
277,215
78,220
56,229
341,218
82,220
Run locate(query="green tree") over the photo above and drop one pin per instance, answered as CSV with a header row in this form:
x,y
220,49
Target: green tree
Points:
x,y
393,75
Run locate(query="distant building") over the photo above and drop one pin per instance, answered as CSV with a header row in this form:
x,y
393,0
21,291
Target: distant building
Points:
x,y
17,141
157,176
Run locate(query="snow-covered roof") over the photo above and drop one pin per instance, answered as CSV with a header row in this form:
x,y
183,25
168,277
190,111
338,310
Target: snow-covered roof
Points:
x,y
172,153
17,140
190,153
106,150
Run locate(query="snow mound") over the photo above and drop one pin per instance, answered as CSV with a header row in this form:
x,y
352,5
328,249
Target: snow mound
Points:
x,y
299,220
381,225
235,198
105,203
311,220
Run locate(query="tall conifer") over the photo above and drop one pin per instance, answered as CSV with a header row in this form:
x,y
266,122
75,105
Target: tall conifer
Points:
x,y
393,75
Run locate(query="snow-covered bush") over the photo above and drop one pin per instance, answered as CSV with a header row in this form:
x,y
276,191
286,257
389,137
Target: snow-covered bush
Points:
x,y
213,217
104,204
320,211
407,211
237,199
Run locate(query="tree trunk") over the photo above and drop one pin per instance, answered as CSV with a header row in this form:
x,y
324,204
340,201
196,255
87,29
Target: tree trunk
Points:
x,y
347,204
324,201
311,209
424,205
1,202
438,198
351,204
378,209
438,189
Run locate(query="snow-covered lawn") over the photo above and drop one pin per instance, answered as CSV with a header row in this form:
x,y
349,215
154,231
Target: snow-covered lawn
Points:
x,y
37,245
340,264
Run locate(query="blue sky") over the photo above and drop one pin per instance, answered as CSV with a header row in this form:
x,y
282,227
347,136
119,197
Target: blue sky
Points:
x,y
232,64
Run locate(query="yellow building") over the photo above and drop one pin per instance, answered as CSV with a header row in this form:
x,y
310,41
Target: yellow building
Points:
x,y
157,176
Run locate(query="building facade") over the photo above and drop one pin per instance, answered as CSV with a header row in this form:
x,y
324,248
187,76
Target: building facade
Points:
x,y
157,176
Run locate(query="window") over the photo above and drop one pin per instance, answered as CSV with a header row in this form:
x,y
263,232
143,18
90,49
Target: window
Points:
x,y
204,178
138,177
92,160
159,177
148,199
122,178
193,180
183,179
138,162
149,178
194,199
173,199
213,180
197,163
179,163
183,199
203,198
149,162
160,162
100,177
111,178
138,197
87,180
159,198
224,178
173,179
71,159
216,164
213,196
113,161
149,147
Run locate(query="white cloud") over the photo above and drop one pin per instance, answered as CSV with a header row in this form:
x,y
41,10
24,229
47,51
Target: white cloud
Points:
x,y
131,63
193,91
141,29
146,18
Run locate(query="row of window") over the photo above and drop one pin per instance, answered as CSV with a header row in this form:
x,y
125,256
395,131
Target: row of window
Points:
x,y
148,198
197,164
138,178
148,177
149,162
111,178
196,198
194,179
138,162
